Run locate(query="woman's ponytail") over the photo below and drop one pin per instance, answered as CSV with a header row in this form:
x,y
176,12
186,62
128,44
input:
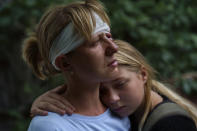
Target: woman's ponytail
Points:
x,y
32,57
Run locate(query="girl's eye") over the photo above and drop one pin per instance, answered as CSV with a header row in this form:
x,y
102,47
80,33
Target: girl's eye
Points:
x,y
120,84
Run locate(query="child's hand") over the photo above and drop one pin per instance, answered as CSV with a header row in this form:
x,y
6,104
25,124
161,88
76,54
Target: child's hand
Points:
x,y
52,101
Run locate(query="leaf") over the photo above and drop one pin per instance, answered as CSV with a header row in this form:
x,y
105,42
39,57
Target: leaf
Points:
x,y
186,87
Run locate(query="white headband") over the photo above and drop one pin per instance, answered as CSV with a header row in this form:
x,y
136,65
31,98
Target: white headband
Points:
x,y
68,40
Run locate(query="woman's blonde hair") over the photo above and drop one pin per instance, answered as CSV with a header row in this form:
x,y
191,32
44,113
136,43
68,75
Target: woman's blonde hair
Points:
x,y
36,47
132,59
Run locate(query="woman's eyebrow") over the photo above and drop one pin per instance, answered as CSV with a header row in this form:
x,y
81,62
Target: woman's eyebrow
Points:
x,y
95,38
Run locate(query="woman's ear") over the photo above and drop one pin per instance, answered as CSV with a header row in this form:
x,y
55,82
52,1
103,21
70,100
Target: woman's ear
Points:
x,y
144,74
62,63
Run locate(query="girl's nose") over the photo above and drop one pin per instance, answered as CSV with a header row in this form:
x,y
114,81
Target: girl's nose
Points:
x,y
113,98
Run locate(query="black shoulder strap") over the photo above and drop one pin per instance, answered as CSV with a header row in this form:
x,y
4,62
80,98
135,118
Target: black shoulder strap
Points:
x,y
162,111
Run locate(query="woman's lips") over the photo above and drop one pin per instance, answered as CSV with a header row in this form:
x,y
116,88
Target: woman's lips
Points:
x,y
114,63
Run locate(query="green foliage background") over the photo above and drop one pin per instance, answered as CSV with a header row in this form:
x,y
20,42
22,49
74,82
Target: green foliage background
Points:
x,y
164,31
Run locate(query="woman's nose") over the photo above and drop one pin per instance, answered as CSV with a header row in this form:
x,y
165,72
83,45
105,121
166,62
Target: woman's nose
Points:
x,y
111,47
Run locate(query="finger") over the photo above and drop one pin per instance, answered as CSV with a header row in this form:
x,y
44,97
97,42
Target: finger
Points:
x,y
38,111
60,89
61,99
58,104
54,99
54,108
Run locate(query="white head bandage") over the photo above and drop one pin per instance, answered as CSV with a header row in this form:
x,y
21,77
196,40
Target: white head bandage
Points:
x,y
69,40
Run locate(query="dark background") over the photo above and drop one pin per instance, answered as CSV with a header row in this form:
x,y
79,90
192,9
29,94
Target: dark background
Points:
x,y
165,31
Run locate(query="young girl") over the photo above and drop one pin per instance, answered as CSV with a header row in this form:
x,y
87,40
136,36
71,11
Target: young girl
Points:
x,y
136,93
75,40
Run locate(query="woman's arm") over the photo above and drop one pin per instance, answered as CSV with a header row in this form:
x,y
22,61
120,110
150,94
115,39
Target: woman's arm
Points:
x,y
52,101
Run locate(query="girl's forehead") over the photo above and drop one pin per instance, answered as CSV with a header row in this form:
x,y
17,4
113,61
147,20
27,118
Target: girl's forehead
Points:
x,y
115,80
123,74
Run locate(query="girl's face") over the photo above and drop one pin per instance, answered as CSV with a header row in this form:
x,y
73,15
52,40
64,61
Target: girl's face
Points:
x,y
125,93
95,61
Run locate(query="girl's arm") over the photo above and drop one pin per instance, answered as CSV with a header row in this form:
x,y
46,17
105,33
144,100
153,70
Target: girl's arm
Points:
x,y
52,101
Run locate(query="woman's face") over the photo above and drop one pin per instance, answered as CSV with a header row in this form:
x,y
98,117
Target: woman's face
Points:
x,y
125,93
95,61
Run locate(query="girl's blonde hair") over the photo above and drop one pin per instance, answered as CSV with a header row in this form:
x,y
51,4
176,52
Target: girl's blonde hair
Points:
x,y
36,47
132,59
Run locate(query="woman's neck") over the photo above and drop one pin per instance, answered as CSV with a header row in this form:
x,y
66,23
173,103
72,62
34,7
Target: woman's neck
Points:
x,y
85,98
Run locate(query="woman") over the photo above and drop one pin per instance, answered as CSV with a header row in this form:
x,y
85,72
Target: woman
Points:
x,y
75,40
135,92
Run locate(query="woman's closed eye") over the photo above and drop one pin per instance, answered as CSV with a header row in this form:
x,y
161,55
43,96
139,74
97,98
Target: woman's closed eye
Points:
x,y
95,42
